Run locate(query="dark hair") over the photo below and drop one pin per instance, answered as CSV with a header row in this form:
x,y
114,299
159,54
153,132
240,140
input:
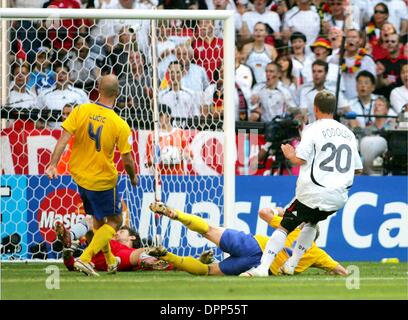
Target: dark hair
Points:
x,y
263,23
69,105
403,39
268,29
385,7
274,63
321,63
290,68
137,242
366,74
325,101
297,35
175,62
59,65
20,65
164,109
82,37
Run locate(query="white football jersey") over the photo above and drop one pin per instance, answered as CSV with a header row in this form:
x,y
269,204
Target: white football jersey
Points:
x,y
183,103
56,99
330,151
25,99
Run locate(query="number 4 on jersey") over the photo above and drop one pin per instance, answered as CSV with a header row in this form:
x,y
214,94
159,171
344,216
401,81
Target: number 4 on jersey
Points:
x,y
95,136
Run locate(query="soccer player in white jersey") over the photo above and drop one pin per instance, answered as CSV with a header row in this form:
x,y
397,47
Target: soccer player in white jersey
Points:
x,y
328,159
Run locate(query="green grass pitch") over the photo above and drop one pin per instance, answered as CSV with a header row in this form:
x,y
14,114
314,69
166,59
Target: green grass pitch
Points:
x,y
377,281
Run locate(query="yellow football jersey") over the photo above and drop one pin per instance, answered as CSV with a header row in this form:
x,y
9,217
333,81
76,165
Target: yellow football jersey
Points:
x,y
97,129
313,257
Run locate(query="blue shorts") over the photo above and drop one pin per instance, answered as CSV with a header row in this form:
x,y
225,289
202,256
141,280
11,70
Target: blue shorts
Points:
x,y
101,204
244,251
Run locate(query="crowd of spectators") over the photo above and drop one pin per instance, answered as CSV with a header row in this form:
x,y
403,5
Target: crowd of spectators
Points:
x,y
286,52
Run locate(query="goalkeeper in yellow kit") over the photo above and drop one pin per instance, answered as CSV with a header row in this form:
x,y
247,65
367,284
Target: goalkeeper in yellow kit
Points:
x,y
245,249
98,130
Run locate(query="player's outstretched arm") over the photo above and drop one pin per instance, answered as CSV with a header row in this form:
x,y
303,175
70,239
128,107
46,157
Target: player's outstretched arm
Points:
x,y
339,270
271,216
130,167
51,171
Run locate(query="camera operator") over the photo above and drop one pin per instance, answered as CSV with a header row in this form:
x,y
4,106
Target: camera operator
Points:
x,y
374,144
280,130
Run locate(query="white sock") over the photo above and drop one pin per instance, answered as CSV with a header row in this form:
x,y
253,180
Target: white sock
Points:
x,y
303,243
79,229
275,244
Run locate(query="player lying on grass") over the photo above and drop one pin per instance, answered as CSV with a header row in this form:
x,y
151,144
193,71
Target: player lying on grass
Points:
x,y
245,249
126,247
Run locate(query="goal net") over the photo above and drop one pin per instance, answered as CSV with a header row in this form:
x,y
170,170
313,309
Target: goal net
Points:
x,y
175,93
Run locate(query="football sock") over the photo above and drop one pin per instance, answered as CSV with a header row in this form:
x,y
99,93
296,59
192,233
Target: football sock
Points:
x,y
78,230
188,264
275,244
109,257
192,222
303,243
99,241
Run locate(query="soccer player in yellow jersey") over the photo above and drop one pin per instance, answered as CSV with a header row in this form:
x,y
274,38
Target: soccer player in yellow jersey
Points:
x,y
97,129
245,249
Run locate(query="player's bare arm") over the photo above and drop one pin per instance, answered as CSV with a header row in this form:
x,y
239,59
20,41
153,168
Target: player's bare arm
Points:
x,y
130,168
267,214
51,171
290,154
339,270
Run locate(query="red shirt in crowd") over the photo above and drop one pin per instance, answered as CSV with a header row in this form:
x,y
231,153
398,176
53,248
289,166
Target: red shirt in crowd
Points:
x,y
209,55
63,32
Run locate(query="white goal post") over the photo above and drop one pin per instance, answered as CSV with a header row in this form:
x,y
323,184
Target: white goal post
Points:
x,y
229,147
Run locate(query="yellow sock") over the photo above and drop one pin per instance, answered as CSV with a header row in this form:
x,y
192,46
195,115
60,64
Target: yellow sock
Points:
x,y
109,257
192,222
189,264
99,241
